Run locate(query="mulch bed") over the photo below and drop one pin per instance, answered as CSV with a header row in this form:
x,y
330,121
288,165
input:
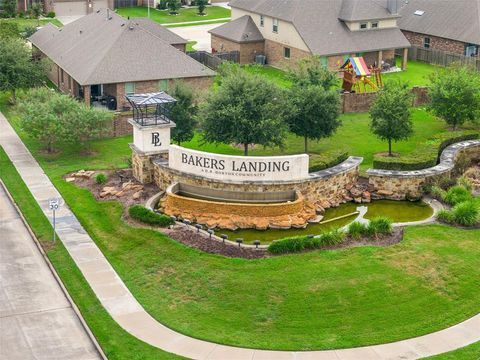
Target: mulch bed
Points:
x,y
201,241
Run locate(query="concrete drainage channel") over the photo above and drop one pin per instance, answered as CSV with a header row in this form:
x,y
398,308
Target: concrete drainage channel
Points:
x,y
361,211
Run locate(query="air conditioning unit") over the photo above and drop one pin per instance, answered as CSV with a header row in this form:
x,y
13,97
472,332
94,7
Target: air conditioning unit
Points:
x,y
260,59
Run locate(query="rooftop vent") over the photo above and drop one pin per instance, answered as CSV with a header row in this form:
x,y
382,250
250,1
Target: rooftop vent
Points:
x,y
419,12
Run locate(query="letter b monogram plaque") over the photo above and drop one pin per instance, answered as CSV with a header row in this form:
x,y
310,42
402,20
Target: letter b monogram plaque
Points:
x,y
156,139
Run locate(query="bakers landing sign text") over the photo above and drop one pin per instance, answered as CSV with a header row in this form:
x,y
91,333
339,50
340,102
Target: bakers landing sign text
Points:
x,y
238,168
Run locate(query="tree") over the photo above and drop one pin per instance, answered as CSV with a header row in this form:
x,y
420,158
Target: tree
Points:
x,y
390,113
9,30
311,71
37,9
53,119
245,109
455,95
183,113
17,68
173,6
315,112
10,8
201,6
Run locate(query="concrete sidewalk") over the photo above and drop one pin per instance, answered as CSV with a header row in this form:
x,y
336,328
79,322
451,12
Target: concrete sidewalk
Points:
x,y
130,315
37,320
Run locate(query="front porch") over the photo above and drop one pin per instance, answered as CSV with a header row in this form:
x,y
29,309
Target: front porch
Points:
x,y
100,96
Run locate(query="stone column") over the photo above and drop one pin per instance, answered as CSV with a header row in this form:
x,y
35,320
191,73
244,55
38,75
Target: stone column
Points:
x,y
379,59
404,59
86,95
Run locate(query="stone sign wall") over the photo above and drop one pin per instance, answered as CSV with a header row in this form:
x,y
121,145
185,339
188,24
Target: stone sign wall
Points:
x,y
238,168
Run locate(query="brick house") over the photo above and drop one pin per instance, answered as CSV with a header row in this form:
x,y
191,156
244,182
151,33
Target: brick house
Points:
x,y
285,31
450,26
102,56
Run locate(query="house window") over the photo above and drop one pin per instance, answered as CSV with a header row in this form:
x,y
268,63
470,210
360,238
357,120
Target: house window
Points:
x,y
275,26
61,76
426,42
262,20
129,88
374,25
324,61
471,50
286,53
163,85
363,26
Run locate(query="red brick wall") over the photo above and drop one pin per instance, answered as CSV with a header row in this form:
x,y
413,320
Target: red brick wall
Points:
x,y
247,50
438,43
274,53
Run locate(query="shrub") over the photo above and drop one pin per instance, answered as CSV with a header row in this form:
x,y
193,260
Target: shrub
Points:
x,y
51,14
301,243
437,192
357,229
456,195
100,179
333,237
141,213
466,213
326,160
445,216
465,182
380,226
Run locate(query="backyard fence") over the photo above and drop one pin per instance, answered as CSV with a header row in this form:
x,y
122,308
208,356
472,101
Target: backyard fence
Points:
x,y
442,58
213,61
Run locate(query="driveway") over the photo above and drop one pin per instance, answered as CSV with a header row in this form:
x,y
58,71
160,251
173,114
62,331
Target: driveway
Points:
x,y
37,320
198,33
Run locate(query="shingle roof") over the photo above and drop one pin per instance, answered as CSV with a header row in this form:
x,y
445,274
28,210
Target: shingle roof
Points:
x,y
317,22
240,30
160,31
457,19
355,10
97,50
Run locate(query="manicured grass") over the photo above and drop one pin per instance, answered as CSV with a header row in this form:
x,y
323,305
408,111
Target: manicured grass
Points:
x,y
471,352
317,300
184,14
23,23
115,342
196,24
353,136
190,45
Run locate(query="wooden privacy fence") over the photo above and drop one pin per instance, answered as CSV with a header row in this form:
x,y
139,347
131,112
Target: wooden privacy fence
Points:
x,y
213,61
442,58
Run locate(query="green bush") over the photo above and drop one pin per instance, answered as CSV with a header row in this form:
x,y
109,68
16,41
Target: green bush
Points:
x,y
101,179
141,213
456,195
333,237
426,155
465,182
357,229
466,213
51,14
326,160
301,243
380,226
438,193
445,216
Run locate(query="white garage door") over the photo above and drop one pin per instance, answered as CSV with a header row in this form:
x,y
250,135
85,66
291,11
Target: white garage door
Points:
x,y
100,4
70,8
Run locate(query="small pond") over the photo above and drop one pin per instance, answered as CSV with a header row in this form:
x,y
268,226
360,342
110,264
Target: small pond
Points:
x,y
398,211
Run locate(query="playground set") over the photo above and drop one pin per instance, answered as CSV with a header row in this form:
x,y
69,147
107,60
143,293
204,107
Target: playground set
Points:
x,y
356,75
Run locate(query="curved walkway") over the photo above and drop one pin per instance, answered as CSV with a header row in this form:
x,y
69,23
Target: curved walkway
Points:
x,y
129,314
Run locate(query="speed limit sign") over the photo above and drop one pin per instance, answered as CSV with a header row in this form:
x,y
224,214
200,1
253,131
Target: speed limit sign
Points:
x,y
53,205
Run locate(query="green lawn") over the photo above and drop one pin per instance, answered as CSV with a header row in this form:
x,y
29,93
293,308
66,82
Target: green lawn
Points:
x,y
318,300
23,23
185,14
417,74
190,45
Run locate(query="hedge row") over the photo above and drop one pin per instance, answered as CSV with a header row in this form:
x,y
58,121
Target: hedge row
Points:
x,y
147,216
326,160
301,243
426,155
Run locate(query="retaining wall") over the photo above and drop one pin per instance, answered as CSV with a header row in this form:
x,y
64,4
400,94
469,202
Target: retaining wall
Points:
x,y
400,185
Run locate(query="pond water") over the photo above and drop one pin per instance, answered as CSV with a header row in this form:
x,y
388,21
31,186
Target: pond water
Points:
x,y
398,211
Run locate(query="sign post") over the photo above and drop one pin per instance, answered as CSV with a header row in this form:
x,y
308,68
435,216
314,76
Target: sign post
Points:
x,y
53,204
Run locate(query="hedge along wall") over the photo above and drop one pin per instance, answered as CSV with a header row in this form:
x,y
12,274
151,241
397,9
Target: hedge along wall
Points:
x,y
400,185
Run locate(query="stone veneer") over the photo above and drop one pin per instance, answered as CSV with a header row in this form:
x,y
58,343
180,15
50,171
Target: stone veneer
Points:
x,y
400,185
323,189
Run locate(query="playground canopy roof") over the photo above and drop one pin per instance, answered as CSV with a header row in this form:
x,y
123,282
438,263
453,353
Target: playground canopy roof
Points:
x,y
358,64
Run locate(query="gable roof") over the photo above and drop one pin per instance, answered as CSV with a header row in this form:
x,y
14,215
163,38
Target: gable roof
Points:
x,y
317,22
160,31
241,30
456,20
97,50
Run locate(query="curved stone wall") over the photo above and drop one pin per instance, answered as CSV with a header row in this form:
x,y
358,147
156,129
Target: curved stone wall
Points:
x,y
398,185
323,189
233,215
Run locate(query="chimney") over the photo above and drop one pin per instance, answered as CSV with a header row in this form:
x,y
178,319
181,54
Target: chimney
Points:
x,y
392,7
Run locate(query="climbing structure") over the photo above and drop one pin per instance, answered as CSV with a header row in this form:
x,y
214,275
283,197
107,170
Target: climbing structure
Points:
x,y
356,75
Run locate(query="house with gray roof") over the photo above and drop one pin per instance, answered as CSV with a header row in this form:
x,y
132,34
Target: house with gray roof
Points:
x,y
102,57
293,29
446,25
